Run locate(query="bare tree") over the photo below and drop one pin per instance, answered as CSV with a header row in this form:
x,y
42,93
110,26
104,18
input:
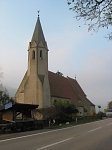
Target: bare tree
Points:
x,y
97,13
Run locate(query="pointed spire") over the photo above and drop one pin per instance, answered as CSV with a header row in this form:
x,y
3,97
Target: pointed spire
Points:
x,y
38,35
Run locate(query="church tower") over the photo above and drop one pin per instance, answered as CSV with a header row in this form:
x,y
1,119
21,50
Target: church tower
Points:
x,y
34,88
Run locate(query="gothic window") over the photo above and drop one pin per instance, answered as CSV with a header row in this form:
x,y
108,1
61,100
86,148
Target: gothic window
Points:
x,y
41,54
33,54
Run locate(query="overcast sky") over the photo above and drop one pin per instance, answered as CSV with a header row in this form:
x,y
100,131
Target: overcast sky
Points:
x,y
72,49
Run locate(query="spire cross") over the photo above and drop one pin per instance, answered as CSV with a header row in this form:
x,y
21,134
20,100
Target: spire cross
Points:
x,y
38,12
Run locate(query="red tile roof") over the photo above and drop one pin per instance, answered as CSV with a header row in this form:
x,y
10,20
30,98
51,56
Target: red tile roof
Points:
x,y
66,87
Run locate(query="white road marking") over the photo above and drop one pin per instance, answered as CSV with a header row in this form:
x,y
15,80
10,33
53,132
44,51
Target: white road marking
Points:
x,y
54,144
94,129
39,133
31,135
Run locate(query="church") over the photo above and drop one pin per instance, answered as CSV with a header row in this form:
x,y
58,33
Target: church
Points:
x,y
42,87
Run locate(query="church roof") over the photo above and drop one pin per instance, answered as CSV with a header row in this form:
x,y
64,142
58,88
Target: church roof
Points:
x,y
66,87
38,35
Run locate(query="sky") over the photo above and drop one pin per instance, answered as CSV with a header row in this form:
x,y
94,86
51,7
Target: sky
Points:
x,y
72,49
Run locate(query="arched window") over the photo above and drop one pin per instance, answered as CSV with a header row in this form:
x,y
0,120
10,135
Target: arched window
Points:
x,y
41,54
33,54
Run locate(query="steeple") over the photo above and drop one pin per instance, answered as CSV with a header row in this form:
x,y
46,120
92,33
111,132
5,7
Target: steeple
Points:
x,y
38,35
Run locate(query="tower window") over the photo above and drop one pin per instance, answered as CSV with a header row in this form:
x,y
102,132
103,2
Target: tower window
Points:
x,y
33,55
41,54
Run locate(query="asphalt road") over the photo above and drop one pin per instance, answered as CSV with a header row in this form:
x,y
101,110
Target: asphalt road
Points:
x,y
91,136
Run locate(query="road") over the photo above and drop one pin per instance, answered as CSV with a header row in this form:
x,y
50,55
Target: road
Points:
x,y
90,136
